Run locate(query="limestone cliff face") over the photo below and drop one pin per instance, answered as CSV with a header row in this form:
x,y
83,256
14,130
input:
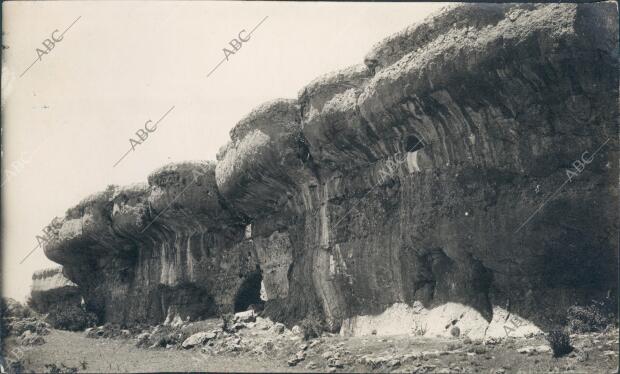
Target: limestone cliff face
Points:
x,y
416,176
146,252
51,287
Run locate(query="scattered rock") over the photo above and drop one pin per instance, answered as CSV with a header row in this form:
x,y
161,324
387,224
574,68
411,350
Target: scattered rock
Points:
x,y
300,356
526,350
247,316
238,326
479,350
142,339
279,328
335,363
311,365
297,330
543,349
492,341
455,331
268,345
431,354
314,343
197,339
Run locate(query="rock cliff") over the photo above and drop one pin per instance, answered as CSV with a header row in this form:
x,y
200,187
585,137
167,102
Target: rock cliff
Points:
x,y
51,287
438,171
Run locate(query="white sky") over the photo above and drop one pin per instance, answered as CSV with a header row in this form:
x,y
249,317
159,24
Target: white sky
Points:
x,y
122,63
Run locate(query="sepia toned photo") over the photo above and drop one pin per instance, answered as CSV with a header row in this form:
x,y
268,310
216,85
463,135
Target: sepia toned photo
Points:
x,y
329,187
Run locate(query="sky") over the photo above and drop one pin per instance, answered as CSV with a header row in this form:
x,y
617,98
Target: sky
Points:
x,y
68,119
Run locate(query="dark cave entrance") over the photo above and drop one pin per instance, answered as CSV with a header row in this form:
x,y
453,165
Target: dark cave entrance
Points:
x,y
249,292
413,143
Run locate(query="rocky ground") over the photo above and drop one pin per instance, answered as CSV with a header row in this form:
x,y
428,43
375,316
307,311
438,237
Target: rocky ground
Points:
x,y
256,344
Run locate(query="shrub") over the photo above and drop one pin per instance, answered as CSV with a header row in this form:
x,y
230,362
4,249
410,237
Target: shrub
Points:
x,y
591,318
12,308
312,326
227,321
70,317
560,343
17,327
16,367
53,369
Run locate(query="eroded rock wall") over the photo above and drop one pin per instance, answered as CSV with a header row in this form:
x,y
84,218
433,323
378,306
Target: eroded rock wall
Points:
x,y
434,172
50,287
147,252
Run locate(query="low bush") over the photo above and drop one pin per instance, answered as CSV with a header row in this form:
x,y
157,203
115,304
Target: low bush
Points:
x,y
62,369
591,318
559,341
12,308
227,321
312,326
70,317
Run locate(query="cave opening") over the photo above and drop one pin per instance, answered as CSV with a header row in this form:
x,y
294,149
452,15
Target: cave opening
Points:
x,y
249,292
413,143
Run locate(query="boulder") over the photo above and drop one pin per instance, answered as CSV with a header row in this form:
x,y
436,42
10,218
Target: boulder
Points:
x,y
247,316
297,330
198,338
279,328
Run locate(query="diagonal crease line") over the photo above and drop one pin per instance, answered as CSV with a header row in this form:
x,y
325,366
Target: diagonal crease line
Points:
x,y
216,66
71,25
39,244
224,59
556,191
121,159
541,206
164,116
599,148
29,253
260,23
31,65
37,59
370,190
156,123
36,150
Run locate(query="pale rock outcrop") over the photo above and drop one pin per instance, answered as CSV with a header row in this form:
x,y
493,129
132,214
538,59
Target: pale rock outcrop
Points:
x,y
50,287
